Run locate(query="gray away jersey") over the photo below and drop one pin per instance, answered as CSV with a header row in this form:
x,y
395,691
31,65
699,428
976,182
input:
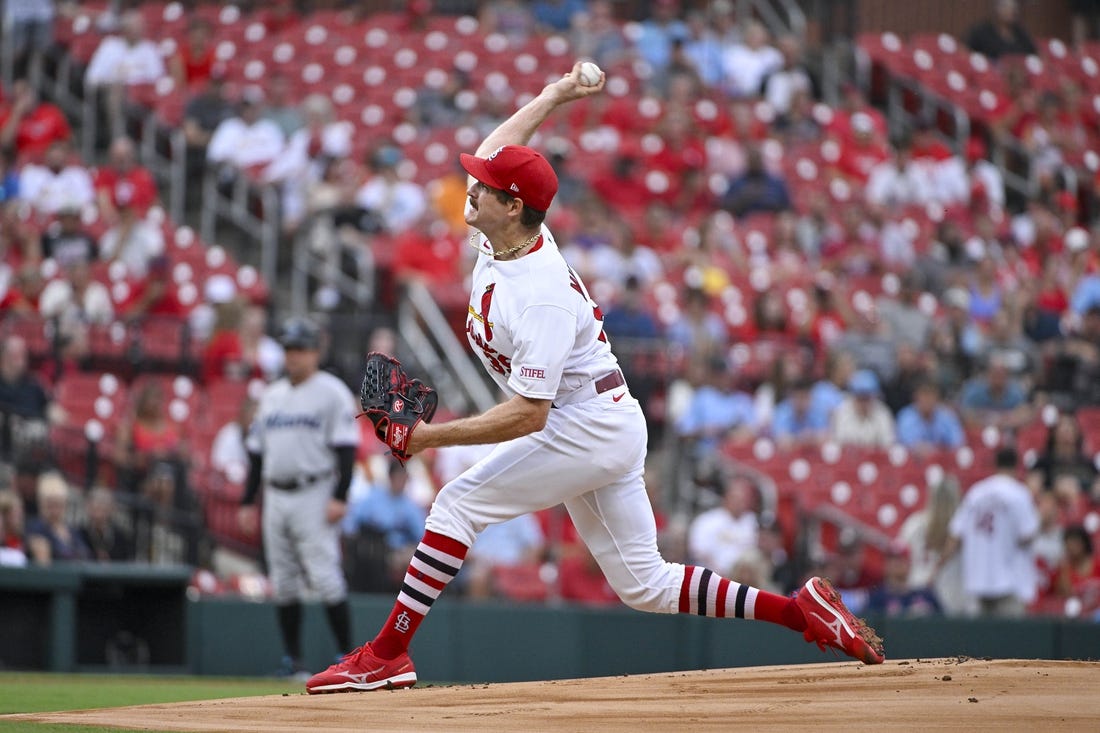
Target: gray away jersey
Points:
x,y
296,426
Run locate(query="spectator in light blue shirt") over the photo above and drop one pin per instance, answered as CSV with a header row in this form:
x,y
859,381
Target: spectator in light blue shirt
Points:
x,y
799,418
705,50
716,411
927,424
389,511
557,15
828,393
654,43
1086,295
993,398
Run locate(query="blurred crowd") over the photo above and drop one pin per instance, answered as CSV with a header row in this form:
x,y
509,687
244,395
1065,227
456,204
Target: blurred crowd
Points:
x,y
802,274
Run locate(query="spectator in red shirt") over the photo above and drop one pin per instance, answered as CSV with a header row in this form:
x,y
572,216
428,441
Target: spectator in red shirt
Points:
x,y
683,158
428,252
194,59
224,356
29,125
623,185
22,297
853,102
864,151
155,295
123,179
20,242
829,312
1078,576
1050,291
580,580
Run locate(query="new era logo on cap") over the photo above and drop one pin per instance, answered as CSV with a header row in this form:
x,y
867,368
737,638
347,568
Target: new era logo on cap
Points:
x,y
518,169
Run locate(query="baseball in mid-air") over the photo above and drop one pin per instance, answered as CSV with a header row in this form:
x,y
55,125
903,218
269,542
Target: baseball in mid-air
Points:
x,y
590,74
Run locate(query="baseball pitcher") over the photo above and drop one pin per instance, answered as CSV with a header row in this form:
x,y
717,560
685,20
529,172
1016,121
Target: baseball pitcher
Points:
x,y
570,432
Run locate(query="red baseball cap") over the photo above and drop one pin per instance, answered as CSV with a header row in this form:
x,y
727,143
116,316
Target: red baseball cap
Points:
x,y
519,170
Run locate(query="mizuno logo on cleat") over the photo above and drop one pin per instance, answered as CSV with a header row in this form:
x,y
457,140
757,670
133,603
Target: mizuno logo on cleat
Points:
x,y
361,678
835,627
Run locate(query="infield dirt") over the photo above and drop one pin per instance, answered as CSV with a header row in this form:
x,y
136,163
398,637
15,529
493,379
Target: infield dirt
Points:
x,y
928,694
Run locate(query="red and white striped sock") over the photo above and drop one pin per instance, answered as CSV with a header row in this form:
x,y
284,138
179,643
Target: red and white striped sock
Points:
x,y
434,564
705,593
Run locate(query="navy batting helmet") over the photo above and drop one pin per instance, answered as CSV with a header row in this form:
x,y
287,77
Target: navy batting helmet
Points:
x,y
300,333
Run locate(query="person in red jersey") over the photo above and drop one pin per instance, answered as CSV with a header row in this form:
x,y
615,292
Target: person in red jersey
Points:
x,y
30,125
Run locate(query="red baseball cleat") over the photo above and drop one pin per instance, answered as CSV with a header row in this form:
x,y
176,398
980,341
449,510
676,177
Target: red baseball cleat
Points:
x,y
362,670
830,623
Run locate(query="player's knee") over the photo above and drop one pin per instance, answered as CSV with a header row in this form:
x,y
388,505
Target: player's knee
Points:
x,y
449,521
643,599
653,592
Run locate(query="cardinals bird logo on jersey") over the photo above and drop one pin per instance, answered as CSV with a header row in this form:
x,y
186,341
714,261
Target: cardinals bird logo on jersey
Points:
x,y
483,316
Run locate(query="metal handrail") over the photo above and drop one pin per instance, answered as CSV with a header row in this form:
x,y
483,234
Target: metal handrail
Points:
x,y
769,13
171,167
7,51
307,262
1024,184
235,207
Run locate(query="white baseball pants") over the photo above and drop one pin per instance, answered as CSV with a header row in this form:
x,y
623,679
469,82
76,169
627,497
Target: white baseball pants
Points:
x,y
591,457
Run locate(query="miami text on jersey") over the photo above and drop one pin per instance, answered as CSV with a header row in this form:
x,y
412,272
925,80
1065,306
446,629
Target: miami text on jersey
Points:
x,y
277,420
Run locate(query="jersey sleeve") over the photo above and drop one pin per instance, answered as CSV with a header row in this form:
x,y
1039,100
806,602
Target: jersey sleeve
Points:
x,y
1027,517
342,427
542,347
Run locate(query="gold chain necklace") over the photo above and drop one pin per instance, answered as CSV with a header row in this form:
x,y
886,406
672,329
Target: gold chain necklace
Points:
x,y
507,252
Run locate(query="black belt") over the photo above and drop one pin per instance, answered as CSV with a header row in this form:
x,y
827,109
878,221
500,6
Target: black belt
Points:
x,y
607,382
293,484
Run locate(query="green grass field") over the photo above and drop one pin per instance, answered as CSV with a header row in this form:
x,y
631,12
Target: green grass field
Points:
x,y
29,693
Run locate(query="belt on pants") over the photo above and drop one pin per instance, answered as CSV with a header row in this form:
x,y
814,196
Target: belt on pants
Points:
x,y
610,381
293,484
606,383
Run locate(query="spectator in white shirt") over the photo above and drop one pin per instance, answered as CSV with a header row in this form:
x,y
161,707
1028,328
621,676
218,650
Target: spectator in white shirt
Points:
x,y
719,537
781,87
76,301
123,60
899,181
399,202
986,184
132,241
76,297
228,453
247,140
862,419
128,58
57,183
748,64
303,161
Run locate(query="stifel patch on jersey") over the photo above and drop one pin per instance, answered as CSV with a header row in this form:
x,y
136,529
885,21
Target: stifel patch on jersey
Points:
x,y
532,372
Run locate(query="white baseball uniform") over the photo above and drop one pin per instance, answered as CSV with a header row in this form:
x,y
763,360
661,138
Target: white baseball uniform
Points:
x,y
295,429
995,521
540,335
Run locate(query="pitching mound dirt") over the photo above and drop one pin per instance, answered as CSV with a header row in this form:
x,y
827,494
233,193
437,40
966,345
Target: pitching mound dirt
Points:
x,y
942,694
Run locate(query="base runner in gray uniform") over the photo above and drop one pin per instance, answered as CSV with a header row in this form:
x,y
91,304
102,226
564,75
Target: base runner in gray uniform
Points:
x,y
302,447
